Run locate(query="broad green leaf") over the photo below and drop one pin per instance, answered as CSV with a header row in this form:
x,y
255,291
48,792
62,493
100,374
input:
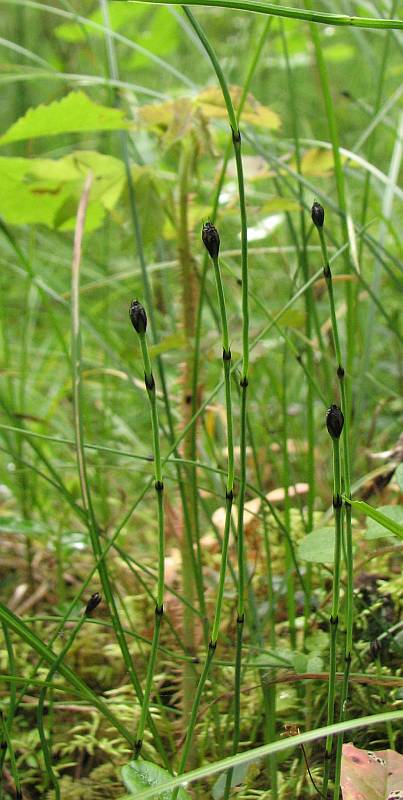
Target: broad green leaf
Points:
x,y
318,546
74,113
382,521
140,774
159,37
58,185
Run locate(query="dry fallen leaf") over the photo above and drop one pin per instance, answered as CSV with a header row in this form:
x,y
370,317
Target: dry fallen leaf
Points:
x,y
368,775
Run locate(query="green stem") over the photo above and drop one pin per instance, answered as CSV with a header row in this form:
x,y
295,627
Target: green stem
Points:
x,y
236,140
343,20
334,617
347,488
226,355
159,488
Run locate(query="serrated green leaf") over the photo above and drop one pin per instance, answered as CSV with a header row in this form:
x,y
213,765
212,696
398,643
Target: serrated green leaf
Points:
x,y
318,546
75,113
58,185
140,774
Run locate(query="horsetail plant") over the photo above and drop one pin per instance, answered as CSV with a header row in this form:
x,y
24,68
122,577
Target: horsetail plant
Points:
x,y
334,424
318,218
138,319
211,241
237,144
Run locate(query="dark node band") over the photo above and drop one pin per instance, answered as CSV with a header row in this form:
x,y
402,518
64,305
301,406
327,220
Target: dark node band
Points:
x,y
244,383
226,354
334,620
337,501
240,619
149,382
188,399
340,371
236,136
159,486
327,272
159,610
348,658
137,747
229,495
328,756
212,645
299,358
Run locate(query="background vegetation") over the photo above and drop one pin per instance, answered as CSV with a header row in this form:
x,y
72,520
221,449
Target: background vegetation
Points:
x,y
126,93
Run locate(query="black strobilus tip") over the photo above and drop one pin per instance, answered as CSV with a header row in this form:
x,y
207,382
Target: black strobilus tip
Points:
x,y
211,239
93,602
318,214
138,316
334,421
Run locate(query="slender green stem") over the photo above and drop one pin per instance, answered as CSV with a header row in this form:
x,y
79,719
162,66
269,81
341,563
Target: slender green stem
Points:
x,y
229,494
230,446
344,20
341,375
289,577
159,488
236,140
334,616
226,355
